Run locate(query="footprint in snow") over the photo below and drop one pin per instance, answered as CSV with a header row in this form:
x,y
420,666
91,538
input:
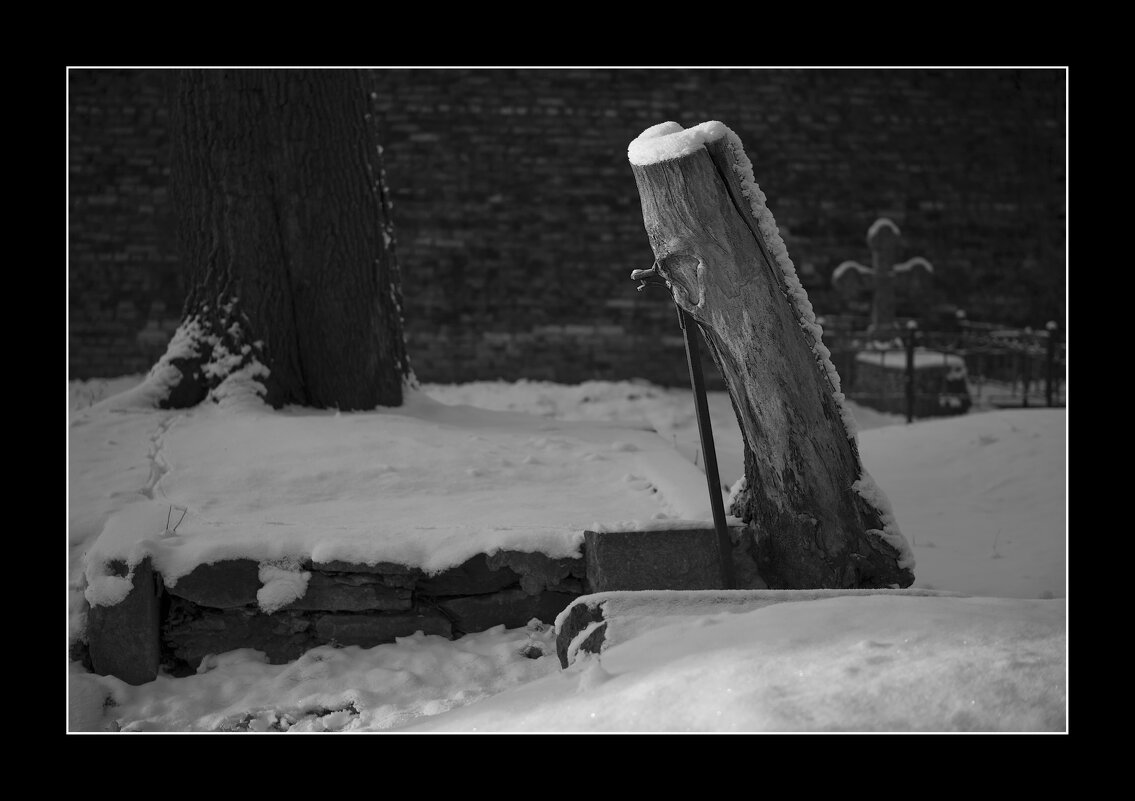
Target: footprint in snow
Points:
x,y
618,445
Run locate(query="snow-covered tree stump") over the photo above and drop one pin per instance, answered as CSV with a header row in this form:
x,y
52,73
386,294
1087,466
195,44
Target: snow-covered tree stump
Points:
x,y
818,518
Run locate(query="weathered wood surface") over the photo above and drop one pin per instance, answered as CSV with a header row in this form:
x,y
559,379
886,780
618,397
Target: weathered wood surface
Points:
x,y
812,528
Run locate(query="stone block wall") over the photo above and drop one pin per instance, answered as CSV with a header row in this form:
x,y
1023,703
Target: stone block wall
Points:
x,y
518,221
215,609
218,607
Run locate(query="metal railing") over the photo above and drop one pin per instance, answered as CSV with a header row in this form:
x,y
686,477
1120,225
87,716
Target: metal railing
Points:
x,y
1004,367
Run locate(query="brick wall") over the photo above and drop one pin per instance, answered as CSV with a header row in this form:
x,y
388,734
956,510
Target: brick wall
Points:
x,y
518,220
125,286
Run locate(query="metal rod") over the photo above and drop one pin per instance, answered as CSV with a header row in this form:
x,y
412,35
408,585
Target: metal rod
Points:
x,y
1050,364
911,333
709,454
1025,375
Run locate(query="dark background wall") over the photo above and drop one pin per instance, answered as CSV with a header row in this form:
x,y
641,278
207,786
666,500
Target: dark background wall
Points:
x,y
518,220
125,287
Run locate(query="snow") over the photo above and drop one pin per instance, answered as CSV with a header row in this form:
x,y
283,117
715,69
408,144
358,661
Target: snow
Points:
x,y
104,589
982,497
879,225
923,358
845,266
735,490
668,141
693,603
636,613
659,524
910,264
873,663
351,486
281,583
327,689
870,492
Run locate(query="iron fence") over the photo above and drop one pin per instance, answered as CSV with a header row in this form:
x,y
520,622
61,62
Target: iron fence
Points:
x,y
923,373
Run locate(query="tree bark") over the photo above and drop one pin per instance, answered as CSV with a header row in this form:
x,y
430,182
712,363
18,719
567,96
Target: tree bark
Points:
x,y
284,225
818,520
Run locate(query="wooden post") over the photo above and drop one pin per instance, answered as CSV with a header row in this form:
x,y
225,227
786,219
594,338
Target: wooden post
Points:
x,y
818,518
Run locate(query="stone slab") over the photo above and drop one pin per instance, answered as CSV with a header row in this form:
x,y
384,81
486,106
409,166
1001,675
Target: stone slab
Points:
x,y
537,571
282,637
348,593
125,639
666,559
222,585
369,630
513,608
473,577
405,574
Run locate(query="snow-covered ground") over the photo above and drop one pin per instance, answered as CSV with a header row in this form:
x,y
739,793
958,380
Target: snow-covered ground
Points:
x,y
981,499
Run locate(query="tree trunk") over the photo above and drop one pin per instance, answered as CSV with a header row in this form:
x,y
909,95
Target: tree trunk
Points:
x,y
818,518
284,225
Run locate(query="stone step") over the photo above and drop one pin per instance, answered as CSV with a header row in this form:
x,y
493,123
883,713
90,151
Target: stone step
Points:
x,y
659,559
